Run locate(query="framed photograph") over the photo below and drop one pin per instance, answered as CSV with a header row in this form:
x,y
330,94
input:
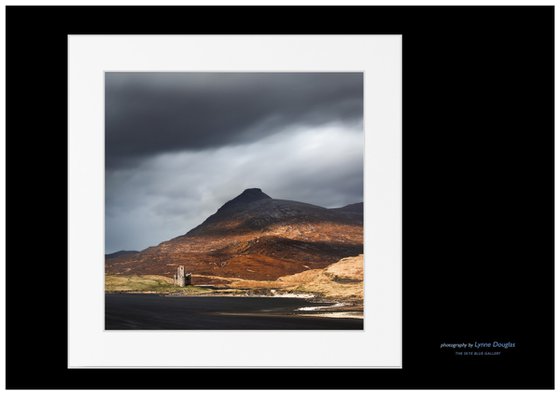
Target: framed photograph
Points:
x,y
362,200
234,194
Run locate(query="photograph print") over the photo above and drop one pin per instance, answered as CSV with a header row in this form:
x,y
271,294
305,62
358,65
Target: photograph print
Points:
x,y
234,201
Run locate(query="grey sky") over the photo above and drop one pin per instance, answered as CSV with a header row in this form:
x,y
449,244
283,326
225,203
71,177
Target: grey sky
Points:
x,y
179,145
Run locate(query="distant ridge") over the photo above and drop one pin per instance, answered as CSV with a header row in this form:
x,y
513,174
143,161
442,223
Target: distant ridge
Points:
x,y
355,208
121,253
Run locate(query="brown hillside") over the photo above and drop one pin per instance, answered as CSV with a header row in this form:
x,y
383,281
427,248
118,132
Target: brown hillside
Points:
x,y
254,237
342,280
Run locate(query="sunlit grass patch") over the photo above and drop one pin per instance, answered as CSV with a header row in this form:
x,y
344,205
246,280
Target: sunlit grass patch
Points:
x,y
147,284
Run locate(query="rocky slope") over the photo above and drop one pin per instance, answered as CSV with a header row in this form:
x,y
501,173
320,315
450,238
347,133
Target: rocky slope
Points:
x,y
254,237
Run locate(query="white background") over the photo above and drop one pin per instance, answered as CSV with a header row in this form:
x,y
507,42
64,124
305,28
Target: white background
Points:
x,y
254,2
379,57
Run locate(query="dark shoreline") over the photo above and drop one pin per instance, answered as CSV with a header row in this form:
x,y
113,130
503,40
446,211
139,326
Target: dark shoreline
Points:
x,y
127,311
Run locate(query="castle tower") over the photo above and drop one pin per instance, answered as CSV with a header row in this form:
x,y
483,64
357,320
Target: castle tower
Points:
x,y
181,279
181,276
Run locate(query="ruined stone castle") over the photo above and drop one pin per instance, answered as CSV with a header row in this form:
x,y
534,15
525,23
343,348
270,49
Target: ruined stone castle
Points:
x,y
181,278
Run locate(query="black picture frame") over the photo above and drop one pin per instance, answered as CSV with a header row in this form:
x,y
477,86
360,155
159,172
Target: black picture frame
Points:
x,y
478,191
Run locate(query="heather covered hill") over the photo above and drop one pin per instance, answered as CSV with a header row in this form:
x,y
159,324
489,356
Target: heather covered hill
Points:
x,y
254,236
343,280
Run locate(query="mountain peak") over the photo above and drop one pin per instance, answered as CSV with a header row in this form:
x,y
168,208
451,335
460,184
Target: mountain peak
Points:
x,y
253,194
253,191
247,196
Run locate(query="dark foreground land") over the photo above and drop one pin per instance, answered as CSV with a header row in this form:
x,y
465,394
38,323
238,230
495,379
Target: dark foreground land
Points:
x,y
155,312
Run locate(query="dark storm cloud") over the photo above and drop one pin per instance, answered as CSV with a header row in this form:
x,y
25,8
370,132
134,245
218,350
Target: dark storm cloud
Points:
x,y
152,113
